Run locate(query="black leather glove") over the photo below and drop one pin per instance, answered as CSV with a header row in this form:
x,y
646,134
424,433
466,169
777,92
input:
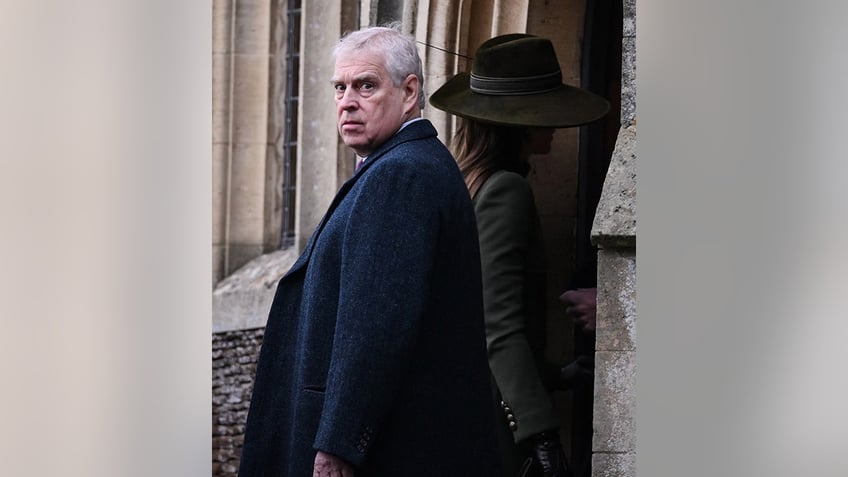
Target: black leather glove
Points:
x,y
548,455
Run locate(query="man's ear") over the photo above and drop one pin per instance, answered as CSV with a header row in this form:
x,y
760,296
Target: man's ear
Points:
x,y
411,86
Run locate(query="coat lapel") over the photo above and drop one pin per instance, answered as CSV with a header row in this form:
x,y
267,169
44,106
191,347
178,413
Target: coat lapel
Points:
x,y
417,130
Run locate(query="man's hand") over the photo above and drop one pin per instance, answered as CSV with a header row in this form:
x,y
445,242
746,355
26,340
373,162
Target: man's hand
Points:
x,y
580,305
328,465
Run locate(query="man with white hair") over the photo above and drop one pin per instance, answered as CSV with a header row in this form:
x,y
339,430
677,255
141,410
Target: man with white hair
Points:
x,y
374,356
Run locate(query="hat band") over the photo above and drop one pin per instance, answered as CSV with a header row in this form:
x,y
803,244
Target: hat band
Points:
x,y
523,85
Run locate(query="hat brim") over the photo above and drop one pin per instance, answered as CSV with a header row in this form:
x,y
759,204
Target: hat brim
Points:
x,y
563,107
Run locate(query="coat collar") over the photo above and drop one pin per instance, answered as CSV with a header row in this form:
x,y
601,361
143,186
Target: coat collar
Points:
x,y
414,131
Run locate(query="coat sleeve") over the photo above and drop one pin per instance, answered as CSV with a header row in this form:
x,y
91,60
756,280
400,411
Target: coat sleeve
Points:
x,y
388,252
506,218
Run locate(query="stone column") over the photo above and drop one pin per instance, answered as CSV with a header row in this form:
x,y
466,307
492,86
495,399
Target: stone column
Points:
x,y
614,232
436,24
240,60
321,152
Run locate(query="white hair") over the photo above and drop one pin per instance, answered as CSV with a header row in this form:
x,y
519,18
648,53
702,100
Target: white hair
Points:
x,y
399,50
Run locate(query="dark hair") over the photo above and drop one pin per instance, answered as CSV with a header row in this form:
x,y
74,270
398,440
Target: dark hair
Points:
x,y
482,149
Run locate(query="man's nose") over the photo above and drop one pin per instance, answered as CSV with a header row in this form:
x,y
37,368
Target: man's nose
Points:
x,y
348,99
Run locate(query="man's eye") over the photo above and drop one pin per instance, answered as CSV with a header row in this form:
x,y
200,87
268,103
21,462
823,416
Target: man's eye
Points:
x,y
367,86
339,87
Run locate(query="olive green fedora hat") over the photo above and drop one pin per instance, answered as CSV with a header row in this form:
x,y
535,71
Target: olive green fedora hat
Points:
x,y
516,80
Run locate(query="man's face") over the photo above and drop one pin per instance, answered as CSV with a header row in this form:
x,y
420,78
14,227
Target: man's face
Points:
x,y
369,108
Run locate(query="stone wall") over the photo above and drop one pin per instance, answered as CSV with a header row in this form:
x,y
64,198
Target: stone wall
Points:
x,y
628,64
614,232
614,441
242,227
234,356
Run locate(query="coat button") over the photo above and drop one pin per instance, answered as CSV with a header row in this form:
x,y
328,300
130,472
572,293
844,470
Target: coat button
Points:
x,y
512,425
507,410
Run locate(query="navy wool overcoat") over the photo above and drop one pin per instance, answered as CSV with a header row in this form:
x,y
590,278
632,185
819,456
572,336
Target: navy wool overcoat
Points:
x,y
375,347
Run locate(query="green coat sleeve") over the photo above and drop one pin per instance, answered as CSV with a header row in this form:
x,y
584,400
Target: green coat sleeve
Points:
x,y
507,225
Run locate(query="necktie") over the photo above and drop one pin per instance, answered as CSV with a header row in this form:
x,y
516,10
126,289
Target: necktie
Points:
x,y
359,163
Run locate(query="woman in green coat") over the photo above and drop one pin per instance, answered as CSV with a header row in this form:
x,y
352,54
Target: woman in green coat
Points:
x,y
509,106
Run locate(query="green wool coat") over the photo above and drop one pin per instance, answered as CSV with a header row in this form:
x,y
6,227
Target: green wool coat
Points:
x,y
513,269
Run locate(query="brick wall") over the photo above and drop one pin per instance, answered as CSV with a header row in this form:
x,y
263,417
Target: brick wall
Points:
x,y
234,355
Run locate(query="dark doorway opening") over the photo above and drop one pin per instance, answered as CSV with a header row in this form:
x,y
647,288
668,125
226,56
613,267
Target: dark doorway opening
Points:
x,y
601,74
